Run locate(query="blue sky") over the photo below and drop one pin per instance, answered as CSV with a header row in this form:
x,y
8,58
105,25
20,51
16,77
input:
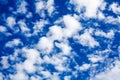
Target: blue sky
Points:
x,y
59,39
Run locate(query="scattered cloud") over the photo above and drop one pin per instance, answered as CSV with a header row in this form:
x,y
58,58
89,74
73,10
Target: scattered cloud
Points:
x,y
45,45
72,26
70,45
84,67
90,8
4,62
13,43
86,39
115,8
41,6
111,74
3,29
110,34
11,21
22,9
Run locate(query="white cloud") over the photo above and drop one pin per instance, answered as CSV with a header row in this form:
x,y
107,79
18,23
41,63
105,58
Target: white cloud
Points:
x,y
24,29
15,57
22,7
58,61
19,76
45,45
91,6
11,21
103,5
13,43
32,55
91,9
39,6
35,78
84,67
60,66
4,62
55,33
38,26
100,15
46,74
69,27
1,76
50,76
110,34
72,26
42,5
50,6
119,48
87,40
29,66
66,49
23,26
95,58
112,20
115,8
3,29
67,77
107,50
111,74
55,76
29,15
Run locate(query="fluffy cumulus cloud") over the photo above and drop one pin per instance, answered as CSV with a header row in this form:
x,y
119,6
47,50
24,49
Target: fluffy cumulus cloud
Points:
x,y
22,7
11,21
45,45
115,8
87,40
72,26
42,5
110,34
3,29
13,43
59,40
88,6
110,74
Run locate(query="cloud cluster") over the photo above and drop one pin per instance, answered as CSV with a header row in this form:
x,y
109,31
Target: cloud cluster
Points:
x,y
81,45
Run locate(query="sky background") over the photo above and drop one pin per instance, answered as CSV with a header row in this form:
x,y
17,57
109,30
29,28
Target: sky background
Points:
x,y
59,40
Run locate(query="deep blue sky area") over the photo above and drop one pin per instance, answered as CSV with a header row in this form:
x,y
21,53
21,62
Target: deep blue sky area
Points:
x,y
59,39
